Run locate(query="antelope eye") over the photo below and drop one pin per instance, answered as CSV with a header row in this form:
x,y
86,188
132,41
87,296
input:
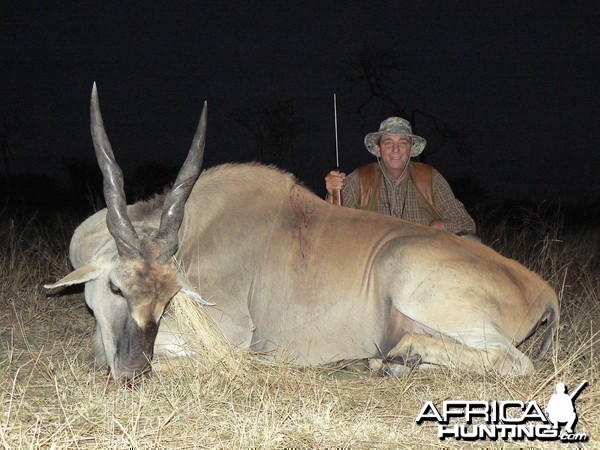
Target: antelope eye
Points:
x,y
115,290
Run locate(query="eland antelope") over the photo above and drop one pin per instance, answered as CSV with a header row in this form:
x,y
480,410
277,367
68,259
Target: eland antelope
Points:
x,y
288,273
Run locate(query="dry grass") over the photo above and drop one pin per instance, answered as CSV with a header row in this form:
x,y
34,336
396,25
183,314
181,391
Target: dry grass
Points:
x,y
51,398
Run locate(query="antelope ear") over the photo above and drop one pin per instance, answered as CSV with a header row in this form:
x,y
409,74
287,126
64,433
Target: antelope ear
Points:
x,y
83,274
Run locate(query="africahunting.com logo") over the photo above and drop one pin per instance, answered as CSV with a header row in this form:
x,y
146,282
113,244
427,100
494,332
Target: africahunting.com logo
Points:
x,y
508,419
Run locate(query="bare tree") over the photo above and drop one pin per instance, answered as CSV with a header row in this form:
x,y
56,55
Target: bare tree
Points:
x,y
380,70
275,127
11,124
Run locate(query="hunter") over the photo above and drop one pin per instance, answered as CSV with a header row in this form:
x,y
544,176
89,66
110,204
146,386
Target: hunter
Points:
x,y
396,186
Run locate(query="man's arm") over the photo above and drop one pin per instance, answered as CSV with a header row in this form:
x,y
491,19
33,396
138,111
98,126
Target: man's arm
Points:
x,y
453,212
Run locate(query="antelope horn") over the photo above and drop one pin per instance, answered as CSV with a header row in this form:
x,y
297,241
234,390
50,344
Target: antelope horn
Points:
x,y
172,215
117,220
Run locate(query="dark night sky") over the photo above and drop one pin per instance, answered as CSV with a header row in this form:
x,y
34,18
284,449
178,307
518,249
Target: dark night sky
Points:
x,y
520,78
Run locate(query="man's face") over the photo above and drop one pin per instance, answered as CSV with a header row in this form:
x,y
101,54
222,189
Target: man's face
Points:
x,y
395,153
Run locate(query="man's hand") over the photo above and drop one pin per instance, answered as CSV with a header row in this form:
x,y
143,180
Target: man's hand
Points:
x,y
438,223
334,181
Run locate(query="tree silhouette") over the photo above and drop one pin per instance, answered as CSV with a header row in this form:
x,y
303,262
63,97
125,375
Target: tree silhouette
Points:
x,y
469,190
85,191
275,127
380,70
150,179
11,125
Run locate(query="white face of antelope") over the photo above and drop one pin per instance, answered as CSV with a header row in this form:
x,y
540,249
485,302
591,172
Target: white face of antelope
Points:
x,y
129,287
128,298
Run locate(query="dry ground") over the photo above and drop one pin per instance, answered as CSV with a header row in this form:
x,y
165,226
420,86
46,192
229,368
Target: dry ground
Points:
x,y
51,398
